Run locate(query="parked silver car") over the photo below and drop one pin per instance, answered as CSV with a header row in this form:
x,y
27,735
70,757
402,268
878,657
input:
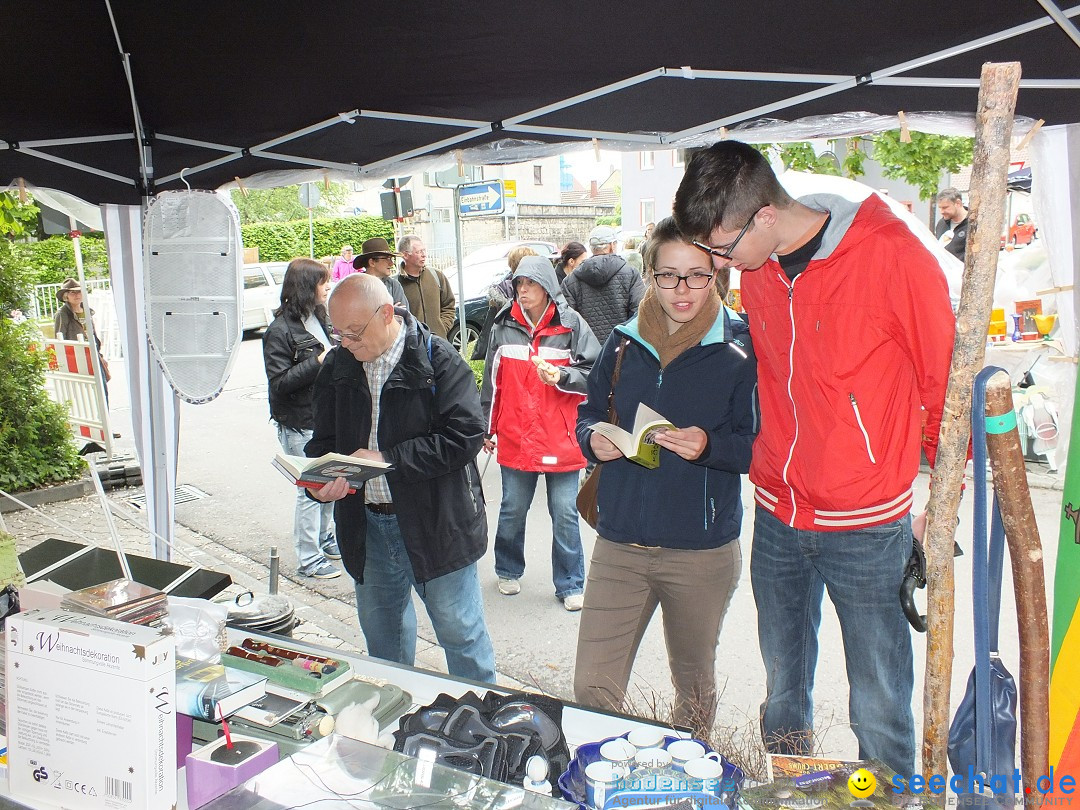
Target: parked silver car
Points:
x,y
262,293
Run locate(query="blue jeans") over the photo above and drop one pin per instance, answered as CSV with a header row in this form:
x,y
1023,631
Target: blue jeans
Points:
x,y
312,520
453,601
567,557
862,569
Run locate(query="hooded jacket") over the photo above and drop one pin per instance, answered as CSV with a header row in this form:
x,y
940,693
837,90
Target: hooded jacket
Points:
x,y
680,504
430,429
534,422
606,291
849,355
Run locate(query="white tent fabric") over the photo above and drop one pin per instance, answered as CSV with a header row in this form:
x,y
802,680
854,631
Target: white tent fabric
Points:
x,y
155,408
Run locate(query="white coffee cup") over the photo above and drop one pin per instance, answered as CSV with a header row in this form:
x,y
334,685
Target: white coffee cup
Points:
x,y
652,758
620,754
682,751
707,771
601,777
645,737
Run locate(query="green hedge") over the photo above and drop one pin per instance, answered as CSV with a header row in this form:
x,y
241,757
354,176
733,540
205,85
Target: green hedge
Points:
x,y
52,260
282,241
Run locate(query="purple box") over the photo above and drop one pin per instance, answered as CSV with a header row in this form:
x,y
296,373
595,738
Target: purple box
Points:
x,y
215,769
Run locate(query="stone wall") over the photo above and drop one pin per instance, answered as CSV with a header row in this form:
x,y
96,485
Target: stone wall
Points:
x,y
549,223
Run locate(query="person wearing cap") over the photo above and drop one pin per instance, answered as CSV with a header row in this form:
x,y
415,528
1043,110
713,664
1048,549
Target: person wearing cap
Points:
x,y
70,320
430,298
377,259
344,265
538,361
605,290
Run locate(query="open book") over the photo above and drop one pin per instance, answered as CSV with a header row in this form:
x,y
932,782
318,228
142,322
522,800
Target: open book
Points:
x,y
314,472
638,446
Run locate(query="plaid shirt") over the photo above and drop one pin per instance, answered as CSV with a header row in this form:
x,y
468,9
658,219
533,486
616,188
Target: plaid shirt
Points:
x,y
377,372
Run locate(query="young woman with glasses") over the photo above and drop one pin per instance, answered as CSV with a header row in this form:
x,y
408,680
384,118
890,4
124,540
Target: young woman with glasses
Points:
x,y
668,536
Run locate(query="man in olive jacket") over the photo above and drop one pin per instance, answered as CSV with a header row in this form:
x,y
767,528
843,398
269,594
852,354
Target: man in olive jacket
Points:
x,y
391,392
430,298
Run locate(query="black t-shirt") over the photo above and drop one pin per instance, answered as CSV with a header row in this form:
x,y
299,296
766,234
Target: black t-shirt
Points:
x,y
795,262
958,244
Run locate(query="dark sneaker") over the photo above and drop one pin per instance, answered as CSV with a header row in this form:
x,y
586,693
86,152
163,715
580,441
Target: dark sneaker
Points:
x,y
323,569
329,547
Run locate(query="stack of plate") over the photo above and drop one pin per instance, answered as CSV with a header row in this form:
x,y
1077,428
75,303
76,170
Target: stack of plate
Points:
x,y
269,613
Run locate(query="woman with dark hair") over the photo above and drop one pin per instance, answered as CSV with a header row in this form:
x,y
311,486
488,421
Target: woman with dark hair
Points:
x,y
294,346
572,255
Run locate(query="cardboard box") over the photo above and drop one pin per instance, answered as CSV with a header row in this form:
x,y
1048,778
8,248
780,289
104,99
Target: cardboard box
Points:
x,y
91,720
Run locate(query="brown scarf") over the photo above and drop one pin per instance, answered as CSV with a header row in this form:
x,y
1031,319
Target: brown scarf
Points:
x,y
653,325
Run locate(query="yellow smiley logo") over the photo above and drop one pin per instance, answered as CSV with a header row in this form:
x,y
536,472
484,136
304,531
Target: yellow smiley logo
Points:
x,y
862,784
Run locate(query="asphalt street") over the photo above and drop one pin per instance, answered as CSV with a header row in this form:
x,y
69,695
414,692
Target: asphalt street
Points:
x,y
225,451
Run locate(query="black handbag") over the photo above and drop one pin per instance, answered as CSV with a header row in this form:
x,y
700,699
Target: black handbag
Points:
x,y
587,504
983,731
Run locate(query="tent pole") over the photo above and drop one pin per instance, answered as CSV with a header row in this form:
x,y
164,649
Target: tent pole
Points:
x,y
993,129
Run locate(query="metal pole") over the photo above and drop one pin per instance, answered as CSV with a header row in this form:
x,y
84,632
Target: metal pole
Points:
x,y
310,236
463,329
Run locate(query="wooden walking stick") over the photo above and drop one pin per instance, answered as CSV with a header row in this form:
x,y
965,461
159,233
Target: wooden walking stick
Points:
x,y
993,128
1029,584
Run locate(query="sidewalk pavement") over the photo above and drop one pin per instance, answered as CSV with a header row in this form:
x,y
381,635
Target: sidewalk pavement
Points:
x,y
325,620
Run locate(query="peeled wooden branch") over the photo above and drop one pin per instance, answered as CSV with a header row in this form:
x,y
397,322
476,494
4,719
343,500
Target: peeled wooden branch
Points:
x,y
1029,583
993,129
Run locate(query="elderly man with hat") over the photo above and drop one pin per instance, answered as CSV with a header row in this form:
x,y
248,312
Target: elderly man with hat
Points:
x,y
377,260
604,289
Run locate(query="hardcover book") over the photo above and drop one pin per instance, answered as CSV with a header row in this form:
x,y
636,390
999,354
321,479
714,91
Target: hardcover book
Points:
x,y
212,691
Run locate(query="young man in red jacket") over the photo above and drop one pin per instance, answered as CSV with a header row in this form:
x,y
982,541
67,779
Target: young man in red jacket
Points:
x,y
853,332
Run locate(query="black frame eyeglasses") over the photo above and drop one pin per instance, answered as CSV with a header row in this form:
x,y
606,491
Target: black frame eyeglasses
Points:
x,y
694,281
338,337
726,251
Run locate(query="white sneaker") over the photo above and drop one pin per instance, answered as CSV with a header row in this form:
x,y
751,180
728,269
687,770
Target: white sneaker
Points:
x,y
574,602
509,587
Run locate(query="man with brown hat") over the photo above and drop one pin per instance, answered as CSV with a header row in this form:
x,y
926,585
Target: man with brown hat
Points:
x,y
377,260
72,318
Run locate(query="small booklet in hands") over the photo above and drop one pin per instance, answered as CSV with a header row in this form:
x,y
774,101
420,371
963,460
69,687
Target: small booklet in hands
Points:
x,y
315,472
638,446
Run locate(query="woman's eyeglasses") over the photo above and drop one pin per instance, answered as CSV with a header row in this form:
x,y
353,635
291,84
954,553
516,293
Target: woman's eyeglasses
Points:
x,y
338,337
694,281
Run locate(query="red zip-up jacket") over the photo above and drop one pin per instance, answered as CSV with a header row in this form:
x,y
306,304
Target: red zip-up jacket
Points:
x,y
848,356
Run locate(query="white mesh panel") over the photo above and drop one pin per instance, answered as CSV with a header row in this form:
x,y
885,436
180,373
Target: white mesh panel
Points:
x,y
193,289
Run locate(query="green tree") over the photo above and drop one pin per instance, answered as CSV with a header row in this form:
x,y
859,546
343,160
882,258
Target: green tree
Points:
x,y
283,204
801,157
16,218
921,161
35,445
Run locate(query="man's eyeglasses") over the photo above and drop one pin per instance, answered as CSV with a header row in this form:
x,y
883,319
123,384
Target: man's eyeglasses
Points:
x,y
339,337
725,251
694,281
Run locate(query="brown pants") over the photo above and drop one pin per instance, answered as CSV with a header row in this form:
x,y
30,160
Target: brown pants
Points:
x,y
625,584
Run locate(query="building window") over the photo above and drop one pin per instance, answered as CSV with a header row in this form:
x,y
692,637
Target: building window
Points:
x,y
538,175
646,160
679,156
441,215
648,211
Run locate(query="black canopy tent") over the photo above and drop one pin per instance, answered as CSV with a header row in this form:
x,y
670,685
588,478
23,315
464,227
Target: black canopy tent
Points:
x,y
111,100
233,89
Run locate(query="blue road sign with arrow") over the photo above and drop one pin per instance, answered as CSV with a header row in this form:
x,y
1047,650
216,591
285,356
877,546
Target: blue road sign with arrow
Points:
x,y
486,197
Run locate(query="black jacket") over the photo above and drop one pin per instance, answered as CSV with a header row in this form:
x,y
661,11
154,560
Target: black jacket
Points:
x,y
431,438
605,291
291,356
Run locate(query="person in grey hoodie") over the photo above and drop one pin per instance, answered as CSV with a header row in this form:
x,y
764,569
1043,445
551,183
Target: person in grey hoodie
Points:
x,y
604,290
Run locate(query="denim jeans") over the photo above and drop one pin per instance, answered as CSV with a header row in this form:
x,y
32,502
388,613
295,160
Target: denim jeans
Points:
x,y
567,557
453,601
312,520
862,569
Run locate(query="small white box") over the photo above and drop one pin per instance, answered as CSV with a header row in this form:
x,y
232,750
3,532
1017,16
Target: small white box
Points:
x,y
91,720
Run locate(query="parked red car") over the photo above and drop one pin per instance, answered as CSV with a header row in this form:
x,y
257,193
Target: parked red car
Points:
x,y
1021,232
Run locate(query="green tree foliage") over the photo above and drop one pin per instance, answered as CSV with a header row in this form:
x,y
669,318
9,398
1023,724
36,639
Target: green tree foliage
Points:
x,y
282,241
35,446
921,161
801,157
16,218
283,204
52,260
